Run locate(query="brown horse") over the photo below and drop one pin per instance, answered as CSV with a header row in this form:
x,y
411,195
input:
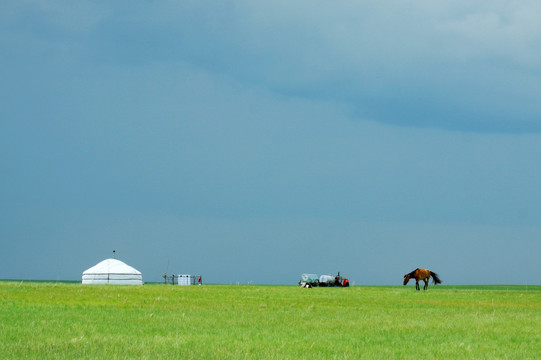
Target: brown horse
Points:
x,y
422,274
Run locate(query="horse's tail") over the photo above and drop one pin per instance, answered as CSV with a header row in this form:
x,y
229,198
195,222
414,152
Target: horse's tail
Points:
x,y
435,279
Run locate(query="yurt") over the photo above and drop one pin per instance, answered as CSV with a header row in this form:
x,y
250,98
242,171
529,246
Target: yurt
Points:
x,y
112,271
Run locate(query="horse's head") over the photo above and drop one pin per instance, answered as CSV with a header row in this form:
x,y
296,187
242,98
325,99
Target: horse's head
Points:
x,y
406,278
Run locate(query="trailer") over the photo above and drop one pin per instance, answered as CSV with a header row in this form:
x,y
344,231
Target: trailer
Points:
x,y
313,280
309,280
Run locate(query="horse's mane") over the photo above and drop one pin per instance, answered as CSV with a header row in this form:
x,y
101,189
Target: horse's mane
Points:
x,y
413,272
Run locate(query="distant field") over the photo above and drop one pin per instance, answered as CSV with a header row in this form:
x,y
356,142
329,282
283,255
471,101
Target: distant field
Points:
x,y
72,321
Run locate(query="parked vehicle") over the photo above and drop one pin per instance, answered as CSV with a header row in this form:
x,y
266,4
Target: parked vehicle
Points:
x,y
312,280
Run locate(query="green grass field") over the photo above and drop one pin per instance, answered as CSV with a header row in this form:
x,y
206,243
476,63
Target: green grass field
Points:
x,y
72,321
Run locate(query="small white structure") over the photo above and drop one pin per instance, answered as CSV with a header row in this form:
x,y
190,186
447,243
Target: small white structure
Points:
x,y
185,279
114,272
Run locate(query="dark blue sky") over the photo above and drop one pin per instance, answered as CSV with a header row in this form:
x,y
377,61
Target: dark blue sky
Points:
x,y
254,142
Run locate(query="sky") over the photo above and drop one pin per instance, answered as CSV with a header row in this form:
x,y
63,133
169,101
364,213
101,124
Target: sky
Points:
x,y
251,141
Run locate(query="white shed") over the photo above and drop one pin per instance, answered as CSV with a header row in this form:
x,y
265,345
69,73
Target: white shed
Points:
x,y
185,279
112,271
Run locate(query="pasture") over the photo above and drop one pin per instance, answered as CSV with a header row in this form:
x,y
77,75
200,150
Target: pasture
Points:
x,y
72,321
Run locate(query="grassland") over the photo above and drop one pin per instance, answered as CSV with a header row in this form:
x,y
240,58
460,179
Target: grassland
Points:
x,y
72,321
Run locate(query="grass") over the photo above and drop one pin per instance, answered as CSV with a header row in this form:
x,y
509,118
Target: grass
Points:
x,y
72,321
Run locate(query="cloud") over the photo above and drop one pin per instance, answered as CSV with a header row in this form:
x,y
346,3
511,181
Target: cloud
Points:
x,y
183,103
243,123
205,145
460,66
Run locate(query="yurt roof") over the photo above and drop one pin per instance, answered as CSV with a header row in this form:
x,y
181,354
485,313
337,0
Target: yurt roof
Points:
x,y
111,266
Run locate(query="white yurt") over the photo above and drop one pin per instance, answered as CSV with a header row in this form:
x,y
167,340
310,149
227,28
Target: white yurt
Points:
x,y
112,271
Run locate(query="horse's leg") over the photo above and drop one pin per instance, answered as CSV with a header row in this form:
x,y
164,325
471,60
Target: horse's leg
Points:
x,y
426,284
417,287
